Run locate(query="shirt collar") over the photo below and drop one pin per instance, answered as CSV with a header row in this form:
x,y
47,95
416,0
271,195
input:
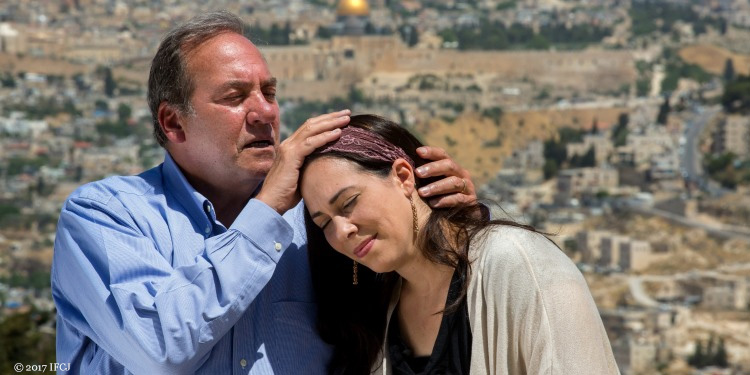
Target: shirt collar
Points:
x,y
198,207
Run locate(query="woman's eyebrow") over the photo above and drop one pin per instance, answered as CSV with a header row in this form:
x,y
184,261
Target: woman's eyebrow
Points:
x,y
332,200
338,194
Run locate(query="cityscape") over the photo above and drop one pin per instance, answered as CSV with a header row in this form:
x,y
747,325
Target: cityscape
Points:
x,y
619,127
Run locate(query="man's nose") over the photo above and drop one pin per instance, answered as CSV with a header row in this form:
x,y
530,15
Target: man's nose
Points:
x,y
261,110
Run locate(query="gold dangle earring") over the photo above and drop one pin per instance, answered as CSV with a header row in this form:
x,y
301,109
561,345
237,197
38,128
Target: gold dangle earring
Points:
x,y
355,281
415,225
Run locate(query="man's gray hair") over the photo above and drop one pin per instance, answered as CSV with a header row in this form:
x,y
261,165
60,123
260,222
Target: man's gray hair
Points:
x,y
168,80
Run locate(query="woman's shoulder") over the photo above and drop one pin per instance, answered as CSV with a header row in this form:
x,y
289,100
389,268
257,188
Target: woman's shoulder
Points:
x,y
509,248
509,241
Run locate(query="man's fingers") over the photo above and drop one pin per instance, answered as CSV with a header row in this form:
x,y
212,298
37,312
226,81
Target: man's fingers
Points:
x,y
324,122
451,200
315,132
443,167
447,185
321,139
432,153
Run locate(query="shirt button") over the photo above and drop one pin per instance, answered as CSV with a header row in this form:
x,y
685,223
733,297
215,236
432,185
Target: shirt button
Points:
x,y
208,230
277,246
243,362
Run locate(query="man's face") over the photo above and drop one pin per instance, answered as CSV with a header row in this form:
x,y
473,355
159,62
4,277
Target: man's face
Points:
x,y
233,128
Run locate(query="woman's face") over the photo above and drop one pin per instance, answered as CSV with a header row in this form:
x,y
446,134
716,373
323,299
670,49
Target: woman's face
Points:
x,y
363,216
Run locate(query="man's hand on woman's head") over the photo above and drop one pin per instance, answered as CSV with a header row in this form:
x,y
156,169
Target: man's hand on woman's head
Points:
x,y
280,186
455,189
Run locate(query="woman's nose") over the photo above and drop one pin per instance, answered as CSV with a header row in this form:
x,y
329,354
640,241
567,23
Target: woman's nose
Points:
x,y
344,229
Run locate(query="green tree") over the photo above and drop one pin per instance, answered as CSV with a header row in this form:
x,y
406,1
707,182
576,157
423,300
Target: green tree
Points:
x,y
123,112
8,210
720,357
620,132
8,81
101,105
697,358
109,82
539,42
642,86
723,26
589,158
555,150
324,32
409,34
568,135
736,96
494,113
550,169
80,82
709,353
729,73
663,115
570,245
22,342
719,163
586,160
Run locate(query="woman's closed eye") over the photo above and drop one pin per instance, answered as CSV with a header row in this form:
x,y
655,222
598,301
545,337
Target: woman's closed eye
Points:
x,y
324,224
349,203
345,208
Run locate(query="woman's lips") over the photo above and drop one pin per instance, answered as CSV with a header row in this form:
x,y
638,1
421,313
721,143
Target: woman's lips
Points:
x,y
364,247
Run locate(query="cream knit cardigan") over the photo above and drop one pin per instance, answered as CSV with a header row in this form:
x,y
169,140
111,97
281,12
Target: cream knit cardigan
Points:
x,y
530,310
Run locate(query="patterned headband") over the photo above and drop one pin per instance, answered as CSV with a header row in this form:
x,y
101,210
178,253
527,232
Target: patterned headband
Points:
x,y
366,143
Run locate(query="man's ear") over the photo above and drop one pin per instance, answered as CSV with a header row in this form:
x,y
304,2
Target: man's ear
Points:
x,y
170,122
403,176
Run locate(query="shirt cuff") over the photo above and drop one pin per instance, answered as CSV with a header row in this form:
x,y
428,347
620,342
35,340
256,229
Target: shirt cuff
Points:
x,y
265,227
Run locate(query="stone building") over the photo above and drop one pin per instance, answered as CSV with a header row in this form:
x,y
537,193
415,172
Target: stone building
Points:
x,y
634,355
732,135
529,157
574,183
601,144
634,255
381,64
610,250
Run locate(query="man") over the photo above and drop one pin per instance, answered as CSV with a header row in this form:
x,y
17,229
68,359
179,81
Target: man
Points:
x,y
199,265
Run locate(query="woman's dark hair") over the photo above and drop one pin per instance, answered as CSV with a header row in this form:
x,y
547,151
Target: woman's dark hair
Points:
x,y
352,317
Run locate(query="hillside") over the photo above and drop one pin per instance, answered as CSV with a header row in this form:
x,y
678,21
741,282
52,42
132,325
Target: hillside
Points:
x,y
480,145
713,58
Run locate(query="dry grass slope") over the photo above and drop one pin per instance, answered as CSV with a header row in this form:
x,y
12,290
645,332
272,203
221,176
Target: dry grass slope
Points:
x,y
713,58
480,145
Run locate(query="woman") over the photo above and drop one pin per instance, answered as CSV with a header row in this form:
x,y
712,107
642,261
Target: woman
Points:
x,y
443,290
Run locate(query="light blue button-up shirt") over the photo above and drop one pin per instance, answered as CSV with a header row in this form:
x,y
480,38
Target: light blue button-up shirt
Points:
x,y
147,281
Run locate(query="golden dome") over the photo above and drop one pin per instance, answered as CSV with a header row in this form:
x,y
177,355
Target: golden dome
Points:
x,y
353,8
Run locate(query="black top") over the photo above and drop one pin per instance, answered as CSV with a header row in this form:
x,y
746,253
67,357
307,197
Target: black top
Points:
x,y
451,353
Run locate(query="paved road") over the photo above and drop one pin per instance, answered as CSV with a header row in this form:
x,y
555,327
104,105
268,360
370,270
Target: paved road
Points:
x,y
635,282
639,294
690,161
723,231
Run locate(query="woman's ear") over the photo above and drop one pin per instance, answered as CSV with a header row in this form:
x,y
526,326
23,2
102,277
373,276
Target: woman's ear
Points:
x,y
403,176
170,122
